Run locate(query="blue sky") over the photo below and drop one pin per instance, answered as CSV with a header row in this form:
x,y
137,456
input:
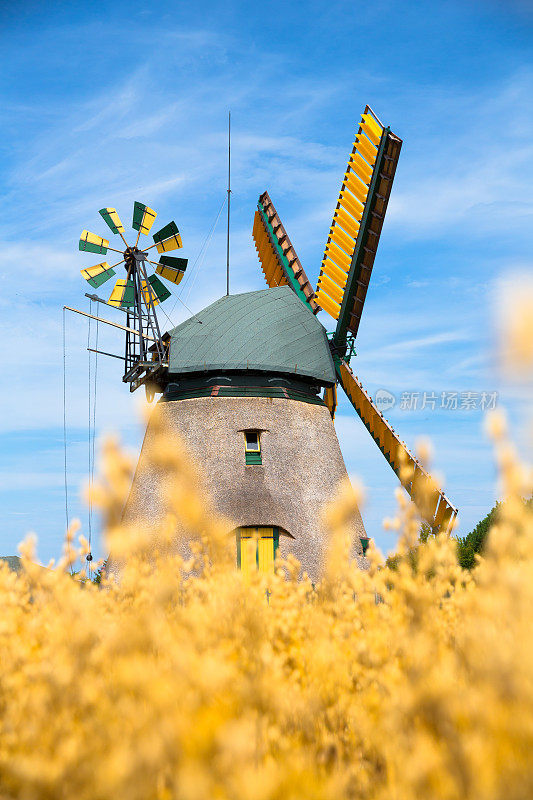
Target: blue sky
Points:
x,y
104,104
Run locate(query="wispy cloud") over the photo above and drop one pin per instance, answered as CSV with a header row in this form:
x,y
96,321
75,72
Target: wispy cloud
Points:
x,y
476,179
151,125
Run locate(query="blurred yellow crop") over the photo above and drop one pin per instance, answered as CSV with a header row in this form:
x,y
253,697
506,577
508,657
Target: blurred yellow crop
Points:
x,y
392,684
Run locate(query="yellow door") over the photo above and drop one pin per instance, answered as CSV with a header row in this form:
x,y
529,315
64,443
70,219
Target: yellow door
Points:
x,y
248,545
257,548
265,544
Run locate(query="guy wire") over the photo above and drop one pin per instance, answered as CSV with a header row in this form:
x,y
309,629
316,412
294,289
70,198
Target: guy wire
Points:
x,y
65,426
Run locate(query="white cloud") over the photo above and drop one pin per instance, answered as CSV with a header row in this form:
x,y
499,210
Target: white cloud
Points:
x,y
160,136
476,178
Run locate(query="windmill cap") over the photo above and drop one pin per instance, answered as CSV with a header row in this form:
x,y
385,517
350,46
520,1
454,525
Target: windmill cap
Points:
x,y
270,331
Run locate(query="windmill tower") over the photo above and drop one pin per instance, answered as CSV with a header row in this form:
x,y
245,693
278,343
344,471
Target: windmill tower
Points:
x,y
250,382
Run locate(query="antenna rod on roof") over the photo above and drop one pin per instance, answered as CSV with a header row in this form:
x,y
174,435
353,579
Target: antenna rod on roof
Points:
x,y
229,193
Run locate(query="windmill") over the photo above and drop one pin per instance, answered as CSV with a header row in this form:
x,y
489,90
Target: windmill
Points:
x,y
138,293
250,382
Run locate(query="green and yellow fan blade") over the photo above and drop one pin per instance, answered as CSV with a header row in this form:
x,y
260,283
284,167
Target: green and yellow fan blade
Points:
x,y
112,219
168,238
123,294
171,268
356,227
98,275
158,291
432,503
143,217
92,243
149,294
279,262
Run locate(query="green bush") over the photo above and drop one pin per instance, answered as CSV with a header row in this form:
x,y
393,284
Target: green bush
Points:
x,y
471,544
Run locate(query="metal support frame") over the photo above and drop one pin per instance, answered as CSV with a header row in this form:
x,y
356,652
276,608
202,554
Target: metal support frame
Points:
x,y
141,317
347,351
350,347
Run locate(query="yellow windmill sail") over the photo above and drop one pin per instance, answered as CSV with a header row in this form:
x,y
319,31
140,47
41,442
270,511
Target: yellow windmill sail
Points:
x,y
356,225
431,502
279,262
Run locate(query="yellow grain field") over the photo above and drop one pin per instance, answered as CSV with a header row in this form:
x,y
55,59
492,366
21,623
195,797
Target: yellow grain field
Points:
x,y
386,684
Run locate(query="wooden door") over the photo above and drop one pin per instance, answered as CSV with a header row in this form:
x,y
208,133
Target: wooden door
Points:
x,y
256,548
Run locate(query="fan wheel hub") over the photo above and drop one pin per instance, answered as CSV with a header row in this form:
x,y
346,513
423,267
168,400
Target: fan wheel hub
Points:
x,y
129,257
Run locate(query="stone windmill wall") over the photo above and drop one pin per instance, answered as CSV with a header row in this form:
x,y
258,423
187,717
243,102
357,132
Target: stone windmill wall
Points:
x,y
302,468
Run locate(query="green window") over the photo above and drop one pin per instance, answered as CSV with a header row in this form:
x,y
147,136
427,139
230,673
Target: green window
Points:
x,y
252,448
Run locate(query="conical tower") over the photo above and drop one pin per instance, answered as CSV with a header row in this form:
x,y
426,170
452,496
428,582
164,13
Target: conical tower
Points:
x,y
245,382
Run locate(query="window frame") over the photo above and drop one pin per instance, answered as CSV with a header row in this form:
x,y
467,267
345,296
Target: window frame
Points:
x,y
247,448
253,456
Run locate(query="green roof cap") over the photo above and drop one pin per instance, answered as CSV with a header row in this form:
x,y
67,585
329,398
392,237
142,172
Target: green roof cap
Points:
x,y
270,330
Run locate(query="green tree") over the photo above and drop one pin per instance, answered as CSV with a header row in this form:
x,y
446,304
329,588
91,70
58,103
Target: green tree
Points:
x,y
473,543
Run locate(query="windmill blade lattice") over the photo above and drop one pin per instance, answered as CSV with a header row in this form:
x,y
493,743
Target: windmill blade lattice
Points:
x,y
138,293
279,262
356,226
